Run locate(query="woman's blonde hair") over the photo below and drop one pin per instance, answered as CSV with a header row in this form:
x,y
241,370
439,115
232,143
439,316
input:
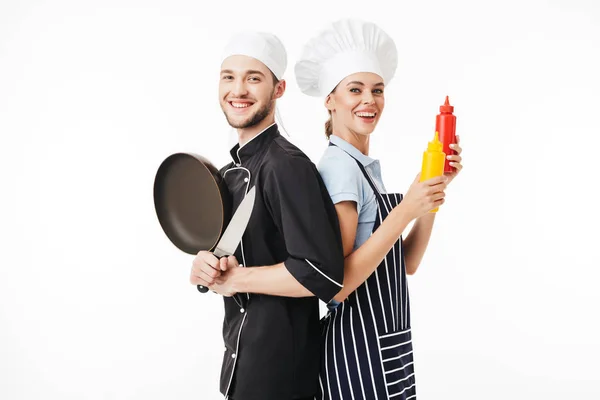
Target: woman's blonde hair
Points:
x,y
328,126
329,122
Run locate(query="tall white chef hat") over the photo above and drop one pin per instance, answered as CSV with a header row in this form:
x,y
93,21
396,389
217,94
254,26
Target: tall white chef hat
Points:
x,y
265,47
344,48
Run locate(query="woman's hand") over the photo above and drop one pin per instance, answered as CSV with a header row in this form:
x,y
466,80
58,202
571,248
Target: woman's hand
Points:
x,y
425,196
455,160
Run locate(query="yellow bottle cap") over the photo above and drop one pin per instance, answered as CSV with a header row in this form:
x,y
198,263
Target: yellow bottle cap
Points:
x,y
435,144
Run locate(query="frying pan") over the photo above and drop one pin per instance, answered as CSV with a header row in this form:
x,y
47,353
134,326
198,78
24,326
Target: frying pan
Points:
x,y
192,202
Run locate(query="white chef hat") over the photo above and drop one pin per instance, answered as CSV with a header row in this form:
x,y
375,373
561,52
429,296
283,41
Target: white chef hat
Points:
x,y
344,48
265,47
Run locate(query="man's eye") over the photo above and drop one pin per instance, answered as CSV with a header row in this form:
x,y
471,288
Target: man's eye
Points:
x,y
227,77
254,79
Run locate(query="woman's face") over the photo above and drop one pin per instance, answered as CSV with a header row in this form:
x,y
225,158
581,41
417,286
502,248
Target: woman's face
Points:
x,y
356,103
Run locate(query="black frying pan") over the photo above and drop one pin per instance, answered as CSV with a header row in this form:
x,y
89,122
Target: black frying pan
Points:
x,y
192,202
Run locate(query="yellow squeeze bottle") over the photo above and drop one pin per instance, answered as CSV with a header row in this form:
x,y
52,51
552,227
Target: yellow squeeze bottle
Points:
x,y
433,161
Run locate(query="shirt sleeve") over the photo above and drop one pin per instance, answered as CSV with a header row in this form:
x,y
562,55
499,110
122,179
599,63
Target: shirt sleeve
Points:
x,y
342,177
304,214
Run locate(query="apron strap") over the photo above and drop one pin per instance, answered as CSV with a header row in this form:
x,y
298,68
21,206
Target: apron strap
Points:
x,y
362,168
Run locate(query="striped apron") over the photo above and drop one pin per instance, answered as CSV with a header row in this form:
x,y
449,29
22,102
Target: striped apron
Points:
x,y
367,349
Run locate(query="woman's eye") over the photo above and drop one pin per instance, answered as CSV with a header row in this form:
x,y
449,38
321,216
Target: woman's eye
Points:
x,y
355,90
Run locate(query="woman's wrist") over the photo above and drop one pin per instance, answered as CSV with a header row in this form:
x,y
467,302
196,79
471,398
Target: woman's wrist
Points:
x,y
403,213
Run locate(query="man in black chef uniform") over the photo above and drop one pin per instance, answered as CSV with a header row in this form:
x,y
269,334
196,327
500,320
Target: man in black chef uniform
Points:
x,y
291,253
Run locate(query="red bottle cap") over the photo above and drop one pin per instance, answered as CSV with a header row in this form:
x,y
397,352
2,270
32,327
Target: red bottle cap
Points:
x,y
447,107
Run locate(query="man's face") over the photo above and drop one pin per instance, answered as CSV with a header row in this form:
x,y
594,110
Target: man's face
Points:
x,y
246,91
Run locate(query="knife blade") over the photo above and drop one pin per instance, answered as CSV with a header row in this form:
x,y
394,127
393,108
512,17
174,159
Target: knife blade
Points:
x,y
235,230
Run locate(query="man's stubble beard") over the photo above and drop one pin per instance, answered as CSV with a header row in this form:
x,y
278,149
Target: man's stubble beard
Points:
x,y
255,119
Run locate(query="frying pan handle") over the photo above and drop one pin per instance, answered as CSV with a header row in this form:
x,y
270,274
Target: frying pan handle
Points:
x,y
202,289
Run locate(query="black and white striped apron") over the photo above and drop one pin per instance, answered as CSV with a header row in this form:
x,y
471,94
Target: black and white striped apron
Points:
x,y
367,349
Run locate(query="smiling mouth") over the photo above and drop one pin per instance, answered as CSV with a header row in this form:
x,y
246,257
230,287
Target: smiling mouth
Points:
x,y
239,105
366,115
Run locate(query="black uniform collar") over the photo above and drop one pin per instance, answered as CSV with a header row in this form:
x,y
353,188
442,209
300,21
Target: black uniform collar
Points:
x,y
255,146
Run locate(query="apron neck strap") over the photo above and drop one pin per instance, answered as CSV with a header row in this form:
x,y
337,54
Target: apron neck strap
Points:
x,y
362,168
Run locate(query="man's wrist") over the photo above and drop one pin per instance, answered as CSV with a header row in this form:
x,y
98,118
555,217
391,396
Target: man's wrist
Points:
x,y
240,280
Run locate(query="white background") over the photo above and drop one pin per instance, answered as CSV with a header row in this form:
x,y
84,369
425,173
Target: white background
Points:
x,y
95,301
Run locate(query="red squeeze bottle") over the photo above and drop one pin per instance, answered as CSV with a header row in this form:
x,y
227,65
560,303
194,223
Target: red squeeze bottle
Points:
x,y
445,125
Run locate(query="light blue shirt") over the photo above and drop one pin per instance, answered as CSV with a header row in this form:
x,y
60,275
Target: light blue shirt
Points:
x,y
345,182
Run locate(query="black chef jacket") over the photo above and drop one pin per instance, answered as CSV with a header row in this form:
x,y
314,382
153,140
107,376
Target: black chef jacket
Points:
x,y
272,343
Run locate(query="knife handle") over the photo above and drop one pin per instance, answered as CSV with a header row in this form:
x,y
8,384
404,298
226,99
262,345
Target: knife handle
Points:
x,y
202,289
